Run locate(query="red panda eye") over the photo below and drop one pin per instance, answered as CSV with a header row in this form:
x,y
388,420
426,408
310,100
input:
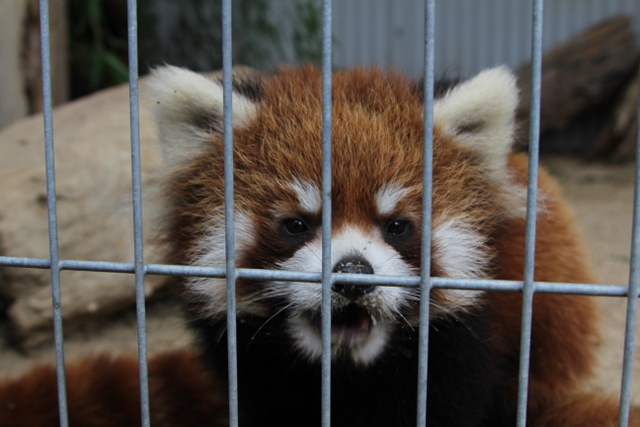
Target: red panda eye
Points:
x,y
397,227
295,226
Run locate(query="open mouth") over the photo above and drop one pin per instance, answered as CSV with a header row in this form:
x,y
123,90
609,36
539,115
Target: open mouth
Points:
x,y
356,333
350,321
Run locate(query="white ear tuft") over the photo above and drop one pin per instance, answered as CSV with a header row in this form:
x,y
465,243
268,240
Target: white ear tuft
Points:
x,y
188,110
480,113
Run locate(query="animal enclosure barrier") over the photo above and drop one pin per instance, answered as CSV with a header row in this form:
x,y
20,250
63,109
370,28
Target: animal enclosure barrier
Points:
x,y
528,287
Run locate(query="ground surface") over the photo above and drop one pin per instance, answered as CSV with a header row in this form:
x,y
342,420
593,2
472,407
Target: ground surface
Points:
x,y
602,196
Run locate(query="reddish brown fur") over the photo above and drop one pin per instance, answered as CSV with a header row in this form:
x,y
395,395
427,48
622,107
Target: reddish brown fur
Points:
x,y
271,147
564,327
103,390
374,112
561,357
589,409
268,152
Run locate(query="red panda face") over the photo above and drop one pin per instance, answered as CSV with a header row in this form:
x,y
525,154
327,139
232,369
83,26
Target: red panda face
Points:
x,y
376,195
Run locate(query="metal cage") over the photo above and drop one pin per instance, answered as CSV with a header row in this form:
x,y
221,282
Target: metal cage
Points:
x,y
527,288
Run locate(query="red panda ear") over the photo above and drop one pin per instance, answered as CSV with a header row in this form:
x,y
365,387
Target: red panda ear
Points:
x,y
480,114
188,108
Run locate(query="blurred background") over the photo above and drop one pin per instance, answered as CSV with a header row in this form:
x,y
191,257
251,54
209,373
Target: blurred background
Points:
x,y
589,126
88,39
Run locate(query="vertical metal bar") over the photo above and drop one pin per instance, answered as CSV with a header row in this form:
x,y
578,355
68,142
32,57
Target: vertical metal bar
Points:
x,y
229,212
427,174
532,196
326,212
52,216
632,300
136,192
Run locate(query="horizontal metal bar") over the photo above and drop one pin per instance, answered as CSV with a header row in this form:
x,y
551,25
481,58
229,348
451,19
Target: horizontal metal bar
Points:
x,y
302,276
11,261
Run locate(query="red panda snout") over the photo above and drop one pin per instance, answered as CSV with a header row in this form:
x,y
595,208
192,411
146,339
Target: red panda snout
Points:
x,y
363,316
353,266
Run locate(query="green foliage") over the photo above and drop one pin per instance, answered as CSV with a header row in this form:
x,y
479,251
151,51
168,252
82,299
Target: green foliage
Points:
x,y
197,33
188,33
253,31
307,35
98,43
262,31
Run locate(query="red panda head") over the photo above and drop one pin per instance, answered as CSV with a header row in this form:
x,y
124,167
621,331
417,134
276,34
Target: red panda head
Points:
x,y
376,194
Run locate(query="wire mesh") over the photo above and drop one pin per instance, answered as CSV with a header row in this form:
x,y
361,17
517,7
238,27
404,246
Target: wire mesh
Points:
x,y
54,255
528,286
633,292
426,281
136,193
230,270
326,276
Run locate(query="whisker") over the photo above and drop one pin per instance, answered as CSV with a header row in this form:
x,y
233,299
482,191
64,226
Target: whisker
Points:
x,y
315,254
221,333
269,319
386,263
405,319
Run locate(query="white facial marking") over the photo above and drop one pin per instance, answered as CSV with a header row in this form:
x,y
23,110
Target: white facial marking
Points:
x,y
387,198
460,252
309,196
211,290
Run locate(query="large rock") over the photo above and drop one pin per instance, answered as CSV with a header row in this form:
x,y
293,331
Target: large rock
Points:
x,y
95,219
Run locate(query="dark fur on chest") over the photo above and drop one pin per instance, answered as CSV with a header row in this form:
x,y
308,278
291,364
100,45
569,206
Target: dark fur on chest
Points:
x,y
279,388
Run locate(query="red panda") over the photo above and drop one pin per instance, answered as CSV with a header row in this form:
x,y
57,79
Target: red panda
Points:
x,y
104,391
478,230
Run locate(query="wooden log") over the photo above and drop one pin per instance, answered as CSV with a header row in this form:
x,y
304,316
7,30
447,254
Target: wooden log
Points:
x,y
617,141
587,69
21,82
13,102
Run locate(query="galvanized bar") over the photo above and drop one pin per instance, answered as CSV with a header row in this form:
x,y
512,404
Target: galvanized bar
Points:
x,y
632,300
532,196
528,286
45,51
307,277
24,262
136,193
230,265
326,212
427,176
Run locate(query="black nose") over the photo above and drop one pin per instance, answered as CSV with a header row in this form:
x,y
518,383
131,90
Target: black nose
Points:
x,y
354,266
